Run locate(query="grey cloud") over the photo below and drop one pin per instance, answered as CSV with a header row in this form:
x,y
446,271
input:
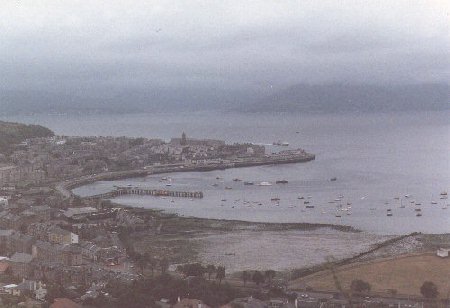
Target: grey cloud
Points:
x,y
233,46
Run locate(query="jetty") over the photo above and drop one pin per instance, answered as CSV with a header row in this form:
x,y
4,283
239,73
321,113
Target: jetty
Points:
x,y
121,191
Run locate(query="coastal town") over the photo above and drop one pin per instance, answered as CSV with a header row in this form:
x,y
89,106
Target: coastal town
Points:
x,y
61,250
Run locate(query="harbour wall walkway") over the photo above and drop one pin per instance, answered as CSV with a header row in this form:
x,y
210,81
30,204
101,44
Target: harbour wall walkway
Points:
x,y
120,191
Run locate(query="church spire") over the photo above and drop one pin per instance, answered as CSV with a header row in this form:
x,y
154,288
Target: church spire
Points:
x,y
183,139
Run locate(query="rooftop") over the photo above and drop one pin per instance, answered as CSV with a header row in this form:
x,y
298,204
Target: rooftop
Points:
x,y
20,257
79,211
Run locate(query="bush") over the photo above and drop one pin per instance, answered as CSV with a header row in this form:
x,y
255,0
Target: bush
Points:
x,y
429,290
360,286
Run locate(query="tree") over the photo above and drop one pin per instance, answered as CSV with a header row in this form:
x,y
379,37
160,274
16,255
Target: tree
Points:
x,y
220,273
245,276
258,278
269,275
76,201
210,269
54,291
429,290
193,269
360,286
164,265
141,262
152,263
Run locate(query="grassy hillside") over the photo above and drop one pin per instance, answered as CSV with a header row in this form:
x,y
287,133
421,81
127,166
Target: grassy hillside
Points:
x,y
14,133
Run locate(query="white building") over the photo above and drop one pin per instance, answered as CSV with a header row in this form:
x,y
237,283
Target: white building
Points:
x,y
443,252
3,202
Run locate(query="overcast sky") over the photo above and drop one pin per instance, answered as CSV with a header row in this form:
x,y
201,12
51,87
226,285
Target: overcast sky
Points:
x,y
83,45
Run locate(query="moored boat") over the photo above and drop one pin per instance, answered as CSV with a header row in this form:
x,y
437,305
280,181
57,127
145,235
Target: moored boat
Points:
x,y
282,182
281,143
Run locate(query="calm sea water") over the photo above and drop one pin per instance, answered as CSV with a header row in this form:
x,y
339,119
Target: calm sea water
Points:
x,y
375,158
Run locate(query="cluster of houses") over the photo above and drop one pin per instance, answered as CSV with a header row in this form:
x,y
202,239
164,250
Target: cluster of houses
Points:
x,y
41,160
69,246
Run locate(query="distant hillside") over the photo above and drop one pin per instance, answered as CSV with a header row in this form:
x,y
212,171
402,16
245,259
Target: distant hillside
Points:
x,y
113,101
14,133
335,98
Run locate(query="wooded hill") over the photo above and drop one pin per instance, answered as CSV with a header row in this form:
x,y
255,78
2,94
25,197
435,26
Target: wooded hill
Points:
x,y
12,134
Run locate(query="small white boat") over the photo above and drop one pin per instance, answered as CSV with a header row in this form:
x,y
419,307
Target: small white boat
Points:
x,y
265,184
433,202
281,143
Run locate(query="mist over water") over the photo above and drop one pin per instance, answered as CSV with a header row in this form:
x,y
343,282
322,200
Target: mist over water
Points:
x,y
375,157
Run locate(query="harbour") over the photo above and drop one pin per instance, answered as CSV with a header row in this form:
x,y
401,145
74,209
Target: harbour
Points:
x,y
298,201
355,163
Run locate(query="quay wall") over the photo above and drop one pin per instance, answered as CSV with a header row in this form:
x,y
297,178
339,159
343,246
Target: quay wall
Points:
x,y
303,272
64,188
